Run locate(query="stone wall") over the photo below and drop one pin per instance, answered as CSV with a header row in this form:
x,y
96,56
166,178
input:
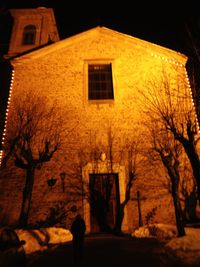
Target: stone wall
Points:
x,y
59,73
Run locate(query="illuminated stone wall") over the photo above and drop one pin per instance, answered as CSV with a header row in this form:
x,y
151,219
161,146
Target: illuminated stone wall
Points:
x,y
59,72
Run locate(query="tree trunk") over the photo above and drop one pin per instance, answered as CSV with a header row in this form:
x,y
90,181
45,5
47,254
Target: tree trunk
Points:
x,y
178,210
172,168
119,219
140,223
27,194
195,163
190,206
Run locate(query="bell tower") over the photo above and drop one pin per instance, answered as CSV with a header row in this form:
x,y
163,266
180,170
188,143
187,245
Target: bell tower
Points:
x,y
31,28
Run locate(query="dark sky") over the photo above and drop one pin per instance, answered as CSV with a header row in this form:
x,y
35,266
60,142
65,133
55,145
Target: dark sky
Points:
x,y
163,24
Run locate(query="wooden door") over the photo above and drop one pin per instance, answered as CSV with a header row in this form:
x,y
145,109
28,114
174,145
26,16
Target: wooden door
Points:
x,y
104,201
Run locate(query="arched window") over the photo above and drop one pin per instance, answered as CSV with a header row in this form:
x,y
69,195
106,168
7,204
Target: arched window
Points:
x,y
29,35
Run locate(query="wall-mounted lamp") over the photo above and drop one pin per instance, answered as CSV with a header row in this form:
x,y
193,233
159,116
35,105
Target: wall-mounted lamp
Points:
x,y
51,182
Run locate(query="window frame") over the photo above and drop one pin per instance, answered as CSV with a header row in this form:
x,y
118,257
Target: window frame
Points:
x,y
98,62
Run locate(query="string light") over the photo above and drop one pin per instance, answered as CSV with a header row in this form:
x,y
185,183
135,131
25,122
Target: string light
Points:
x,y
6,115
187,78
191,94
167,59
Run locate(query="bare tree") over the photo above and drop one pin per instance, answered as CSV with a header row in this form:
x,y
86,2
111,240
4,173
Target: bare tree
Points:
x,y
33,136
169,100
163,144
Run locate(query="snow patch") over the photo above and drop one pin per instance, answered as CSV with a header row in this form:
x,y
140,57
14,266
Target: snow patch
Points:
x,y
41,239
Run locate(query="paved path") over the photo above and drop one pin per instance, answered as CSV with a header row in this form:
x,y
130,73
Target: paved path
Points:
x,y
105,250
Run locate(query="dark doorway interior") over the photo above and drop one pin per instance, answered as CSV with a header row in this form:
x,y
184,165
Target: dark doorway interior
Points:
x,y
104,201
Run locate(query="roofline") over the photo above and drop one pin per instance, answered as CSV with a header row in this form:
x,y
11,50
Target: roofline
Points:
x,y
162,51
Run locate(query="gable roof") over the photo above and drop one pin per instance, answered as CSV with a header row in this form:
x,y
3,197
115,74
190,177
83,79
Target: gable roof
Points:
x,y
157,50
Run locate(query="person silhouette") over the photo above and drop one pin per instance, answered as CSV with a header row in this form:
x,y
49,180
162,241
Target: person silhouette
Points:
x,y
78,229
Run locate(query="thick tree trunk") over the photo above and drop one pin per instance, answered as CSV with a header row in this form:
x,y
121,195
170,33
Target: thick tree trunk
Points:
x,y
119,219
140,223
178,210
171,164
27,194
195,163
190,206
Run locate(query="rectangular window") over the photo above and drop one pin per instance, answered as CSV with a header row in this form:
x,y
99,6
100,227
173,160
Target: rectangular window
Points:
x,y
100,82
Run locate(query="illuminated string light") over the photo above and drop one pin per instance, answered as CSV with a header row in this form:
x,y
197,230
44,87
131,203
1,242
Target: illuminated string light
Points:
x,y
187,78
167,59
191,94
6,115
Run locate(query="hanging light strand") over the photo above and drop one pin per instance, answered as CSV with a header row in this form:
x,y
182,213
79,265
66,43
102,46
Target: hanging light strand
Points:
x,y
191,94
6,115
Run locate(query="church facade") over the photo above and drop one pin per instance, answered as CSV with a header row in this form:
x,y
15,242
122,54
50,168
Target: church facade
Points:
x,y
98,78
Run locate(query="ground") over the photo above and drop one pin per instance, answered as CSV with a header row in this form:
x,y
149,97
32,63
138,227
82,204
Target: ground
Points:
x,y
186,248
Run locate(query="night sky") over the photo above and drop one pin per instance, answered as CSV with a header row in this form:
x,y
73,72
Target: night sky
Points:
x,y
163,24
